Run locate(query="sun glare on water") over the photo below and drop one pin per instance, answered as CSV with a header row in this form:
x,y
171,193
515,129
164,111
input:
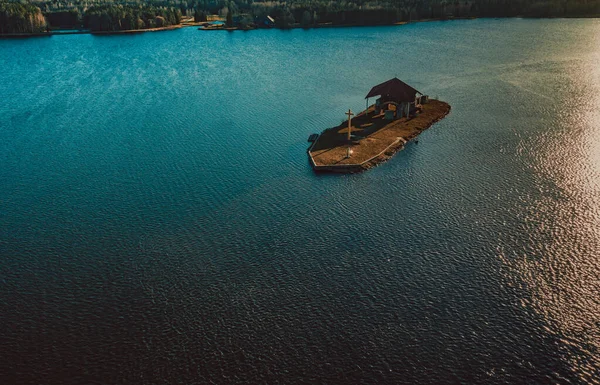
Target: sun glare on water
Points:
x,y
561,265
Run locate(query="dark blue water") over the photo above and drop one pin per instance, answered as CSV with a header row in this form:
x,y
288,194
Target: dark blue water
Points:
x,y
160,224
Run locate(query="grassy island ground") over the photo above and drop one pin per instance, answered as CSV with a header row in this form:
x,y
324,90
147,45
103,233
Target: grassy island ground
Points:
x,y
374,139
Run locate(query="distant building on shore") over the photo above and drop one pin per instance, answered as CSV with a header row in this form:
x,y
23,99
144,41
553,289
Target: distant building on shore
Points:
x,y
265,22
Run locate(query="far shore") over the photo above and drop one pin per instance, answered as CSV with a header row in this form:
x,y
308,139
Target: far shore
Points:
x,y
293,26
168,28
331,25
87,31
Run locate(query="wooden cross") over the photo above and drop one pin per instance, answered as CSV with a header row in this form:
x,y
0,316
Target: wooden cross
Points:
x,y
349,113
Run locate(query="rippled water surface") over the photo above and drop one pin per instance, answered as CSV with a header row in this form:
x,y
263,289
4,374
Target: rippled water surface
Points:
x,y
160,224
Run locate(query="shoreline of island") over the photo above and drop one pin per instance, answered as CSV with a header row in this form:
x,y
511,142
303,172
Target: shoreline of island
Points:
x,y
330,152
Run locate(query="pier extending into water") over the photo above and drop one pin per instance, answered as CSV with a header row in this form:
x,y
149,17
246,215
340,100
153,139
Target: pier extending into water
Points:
x,y
373,139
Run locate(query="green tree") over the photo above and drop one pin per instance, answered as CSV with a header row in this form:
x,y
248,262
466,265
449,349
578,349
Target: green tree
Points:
x,y
306,19
229,19
199,16
285,18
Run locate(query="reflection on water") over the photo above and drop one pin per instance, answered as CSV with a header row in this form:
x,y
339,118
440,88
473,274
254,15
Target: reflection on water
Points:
x,y
559,266
161,224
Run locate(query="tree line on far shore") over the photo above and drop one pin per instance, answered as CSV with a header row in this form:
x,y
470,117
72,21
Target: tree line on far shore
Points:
x,y
123,18
307,13
17,17
372,12
30,16
21,18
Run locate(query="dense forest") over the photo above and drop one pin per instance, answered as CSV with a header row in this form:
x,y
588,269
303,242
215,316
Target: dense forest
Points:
x,y
113,15
25,17
21,18
122,18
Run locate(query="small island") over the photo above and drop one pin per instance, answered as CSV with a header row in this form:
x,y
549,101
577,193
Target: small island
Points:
x,y
399,115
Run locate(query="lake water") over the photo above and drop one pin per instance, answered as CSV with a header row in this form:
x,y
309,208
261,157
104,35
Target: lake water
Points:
x,y
160,223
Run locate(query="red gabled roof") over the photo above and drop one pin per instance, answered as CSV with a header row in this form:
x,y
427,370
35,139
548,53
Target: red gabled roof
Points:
x,y
395,88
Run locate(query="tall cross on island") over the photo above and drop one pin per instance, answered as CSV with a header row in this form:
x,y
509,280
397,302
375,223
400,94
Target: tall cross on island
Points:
x,y
349,113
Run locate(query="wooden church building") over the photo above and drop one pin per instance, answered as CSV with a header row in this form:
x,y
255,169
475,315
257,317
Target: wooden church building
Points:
x,y
398,94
